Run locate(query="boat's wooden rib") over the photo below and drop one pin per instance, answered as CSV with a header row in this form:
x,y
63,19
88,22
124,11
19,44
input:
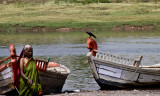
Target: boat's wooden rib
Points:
x,y
6,82
6,89
6,85
5,76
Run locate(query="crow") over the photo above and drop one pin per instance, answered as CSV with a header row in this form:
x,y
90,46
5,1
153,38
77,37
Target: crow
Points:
x,y
90,34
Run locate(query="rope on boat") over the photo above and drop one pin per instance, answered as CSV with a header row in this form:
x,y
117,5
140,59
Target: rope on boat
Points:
x,y
139,64
127,78
12,79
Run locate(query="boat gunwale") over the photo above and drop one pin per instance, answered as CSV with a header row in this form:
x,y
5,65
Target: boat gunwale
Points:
x,y
127,67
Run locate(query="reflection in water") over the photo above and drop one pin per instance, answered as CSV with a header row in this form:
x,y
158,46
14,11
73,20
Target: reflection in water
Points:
x,y
81,75
70,49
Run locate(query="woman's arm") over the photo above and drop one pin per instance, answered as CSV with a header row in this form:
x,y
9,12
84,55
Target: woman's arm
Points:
x,y
22,73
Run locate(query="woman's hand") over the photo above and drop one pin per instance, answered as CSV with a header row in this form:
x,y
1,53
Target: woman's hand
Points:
x,y
30,81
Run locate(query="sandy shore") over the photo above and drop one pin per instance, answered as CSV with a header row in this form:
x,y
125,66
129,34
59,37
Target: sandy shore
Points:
x,y
112,93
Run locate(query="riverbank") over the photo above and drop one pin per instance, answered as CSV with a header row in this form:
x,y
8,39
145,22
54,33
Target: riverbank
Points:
x,y
69,17
135,92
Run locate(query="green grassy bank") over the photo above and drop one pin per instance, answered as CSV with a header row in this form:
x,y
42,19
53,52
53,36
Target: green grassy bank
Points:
x,y
64,16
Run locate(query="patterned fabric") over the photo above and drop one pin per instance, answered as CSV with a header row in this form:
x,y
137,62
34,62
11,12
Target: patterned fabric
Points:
x,y
25,89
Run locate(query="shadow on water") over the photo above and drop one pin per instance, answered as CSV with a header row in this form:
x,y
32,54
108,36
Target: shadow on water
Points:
x,y
69,49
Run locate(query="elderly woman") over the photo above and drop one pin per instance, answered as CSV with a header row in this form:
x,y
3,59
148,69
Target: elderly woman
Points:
x,y
29,79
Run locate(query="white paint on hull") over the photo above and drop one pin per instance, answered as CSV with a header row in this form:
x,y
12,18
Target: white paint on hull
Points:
x,y
109,71
6,73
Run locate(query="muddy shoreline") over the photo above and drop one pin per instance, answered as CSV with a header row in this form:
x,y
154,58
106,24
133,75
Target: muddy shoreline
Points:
x,y
36,29
134,92
67,29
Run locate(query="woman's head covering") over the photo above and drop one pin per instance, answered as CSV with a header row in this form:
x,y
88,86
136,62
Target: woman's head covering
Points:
x,y
27,46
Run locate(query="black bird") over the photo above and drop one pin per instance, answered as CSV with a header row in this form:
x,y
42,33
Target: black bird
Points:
x,y
90,34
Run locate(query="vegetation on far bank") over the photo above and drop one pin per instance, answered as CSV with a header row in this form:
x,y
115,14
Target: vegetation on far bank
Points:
x,y
51,15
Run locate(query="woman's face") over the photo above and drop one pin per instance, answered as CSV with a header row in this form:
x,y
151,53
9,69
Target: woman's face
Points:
x,y
28,52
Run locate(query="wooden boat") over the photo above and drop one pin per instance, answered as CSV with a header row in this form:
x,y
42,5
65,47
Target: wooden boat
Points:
x,y
112,71
6,78
52,78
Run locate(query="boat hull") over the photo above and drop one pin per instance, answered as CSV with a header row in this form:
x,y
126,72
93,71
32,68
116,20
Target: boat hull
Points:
x,y
104,85
53,79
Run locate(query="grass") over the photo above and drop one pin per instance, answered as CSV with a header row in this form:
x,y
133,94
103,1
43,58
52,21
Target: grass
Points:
x,y
77,15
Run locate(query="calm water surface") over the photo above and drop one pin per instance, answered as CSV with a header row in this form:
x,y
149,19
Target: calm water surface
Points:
x,y
69,49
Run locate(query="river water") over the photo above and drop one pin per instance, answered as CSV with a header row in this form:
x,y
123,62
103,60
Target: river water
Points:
x,y
69,49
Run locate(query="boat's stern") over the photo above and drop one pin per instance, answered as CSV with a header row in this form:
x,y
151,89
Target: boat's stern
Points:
x,y
55,77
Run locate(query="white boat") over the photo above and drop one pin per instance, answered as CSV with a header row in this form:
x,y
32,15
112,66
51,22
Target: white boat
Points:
x,y
111,71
